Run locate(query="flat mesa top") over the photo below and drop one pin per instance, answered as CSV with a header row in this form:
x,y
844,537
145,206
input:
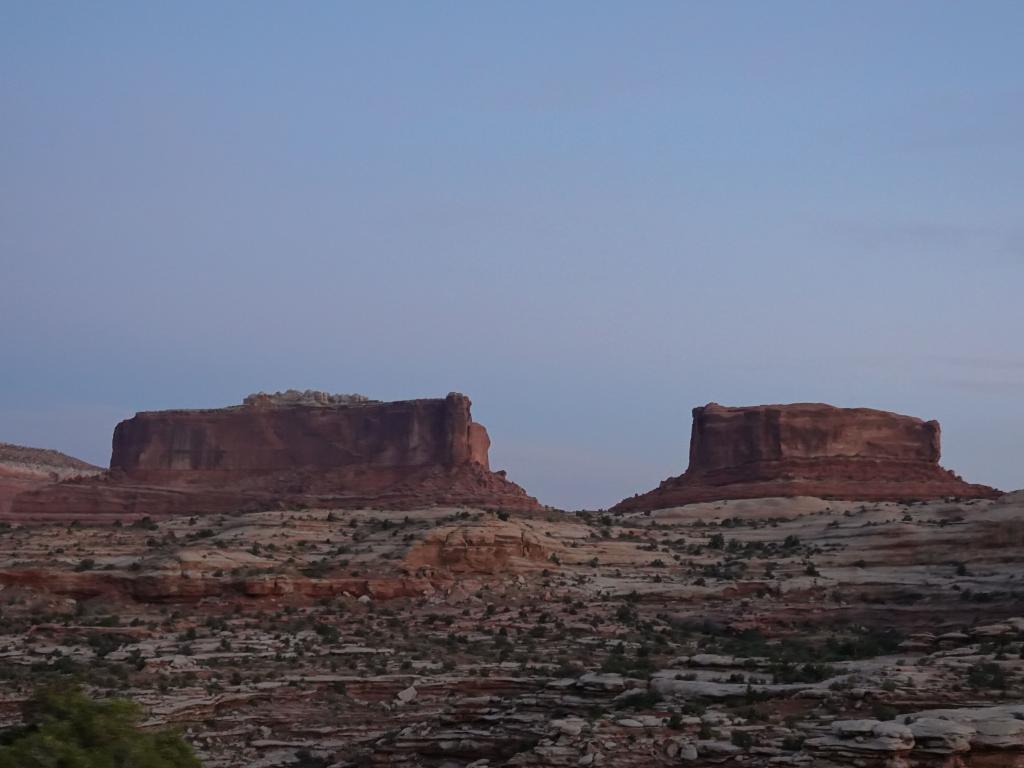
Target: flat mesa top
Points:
x,y
800,408
305,397
302,399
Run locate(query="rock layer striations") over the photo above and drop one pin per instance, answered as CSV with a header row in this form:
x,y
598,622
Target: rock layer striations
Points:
x,y
809,449
271,451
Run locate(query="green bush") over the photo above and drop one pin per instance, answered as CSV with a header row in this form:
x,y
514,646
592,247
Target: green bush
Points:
x,y
742,739
64,728
986,676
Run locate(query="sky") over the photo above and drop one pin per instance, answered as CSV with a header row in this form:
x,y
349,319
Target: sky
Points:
x,y
589,216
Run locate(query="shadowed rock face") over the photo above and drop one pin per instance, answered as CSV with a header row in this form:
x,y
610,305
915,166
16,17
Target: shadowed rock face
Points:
x,y
271,452
724,437
809,449
269,438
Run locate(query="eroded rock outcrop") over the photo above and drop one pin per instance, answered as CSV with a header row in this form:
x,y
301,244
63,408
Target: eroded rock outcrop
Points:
x,y
337,451
490,547
809,449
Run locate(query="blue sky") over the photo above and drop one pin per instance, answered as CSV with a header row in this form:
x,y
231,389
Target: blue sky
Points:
x,y
588,216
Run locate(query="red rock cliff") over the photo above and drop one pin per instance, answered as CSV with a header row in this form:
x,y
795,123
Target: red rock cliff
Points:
x,y
808,449
270,437
279,451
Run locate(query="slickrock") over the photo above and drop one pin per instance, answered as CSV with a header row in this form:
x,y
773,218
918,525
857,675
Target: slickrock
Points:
x,y
981,728
942,736
753,633
274,451
809,449
862,742
991,736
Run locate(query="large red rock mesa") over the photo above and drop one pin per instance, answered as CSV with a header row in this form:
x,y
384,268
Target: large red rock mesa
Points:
x,y
808,449
290,448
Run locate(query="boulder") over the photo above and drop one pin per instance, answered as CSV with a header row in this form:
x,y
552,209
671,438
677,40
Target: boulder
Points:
x,y
406,694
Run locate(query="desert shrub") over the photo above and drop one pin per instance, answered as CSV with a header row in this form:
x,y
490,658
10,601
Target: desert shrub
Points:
x,y
986,675
103,644
64,728
793,743
882,711
742,739
801,673
869,642
306,759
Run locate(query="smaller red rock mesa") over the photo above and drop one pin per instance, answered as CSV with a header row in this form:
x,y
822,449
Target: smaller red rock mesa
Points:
x,y
808,449
292,448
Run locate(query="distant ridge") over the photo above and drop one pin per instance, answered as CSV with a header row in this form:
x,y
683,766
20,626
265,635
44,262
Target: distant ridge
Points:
x,y
25,469
43,458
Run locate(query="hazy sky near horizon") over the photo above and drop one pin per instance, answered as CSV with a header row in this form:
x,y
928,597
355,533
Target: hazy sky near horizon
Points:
x,y
588,216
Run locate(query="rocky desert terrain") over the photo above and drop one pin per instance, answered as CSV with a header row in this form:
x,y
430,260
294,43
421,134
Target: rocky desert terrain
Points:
x,y
477,628
754,632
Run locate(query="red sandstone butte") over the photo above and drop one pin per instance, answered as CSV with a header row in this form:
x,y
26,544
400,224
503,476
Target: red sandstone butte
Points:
x,y
808,449
309,449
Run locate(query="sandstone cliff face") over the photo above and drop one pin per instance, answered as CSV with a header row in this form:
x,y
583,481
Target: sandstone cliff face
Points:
x,y
809,449
276,451
728,437
271,437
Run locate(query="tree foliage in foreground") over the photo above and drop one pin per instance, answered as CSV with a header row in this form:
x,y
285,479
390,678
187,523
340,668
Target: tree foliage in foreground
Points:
x,y
64,728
